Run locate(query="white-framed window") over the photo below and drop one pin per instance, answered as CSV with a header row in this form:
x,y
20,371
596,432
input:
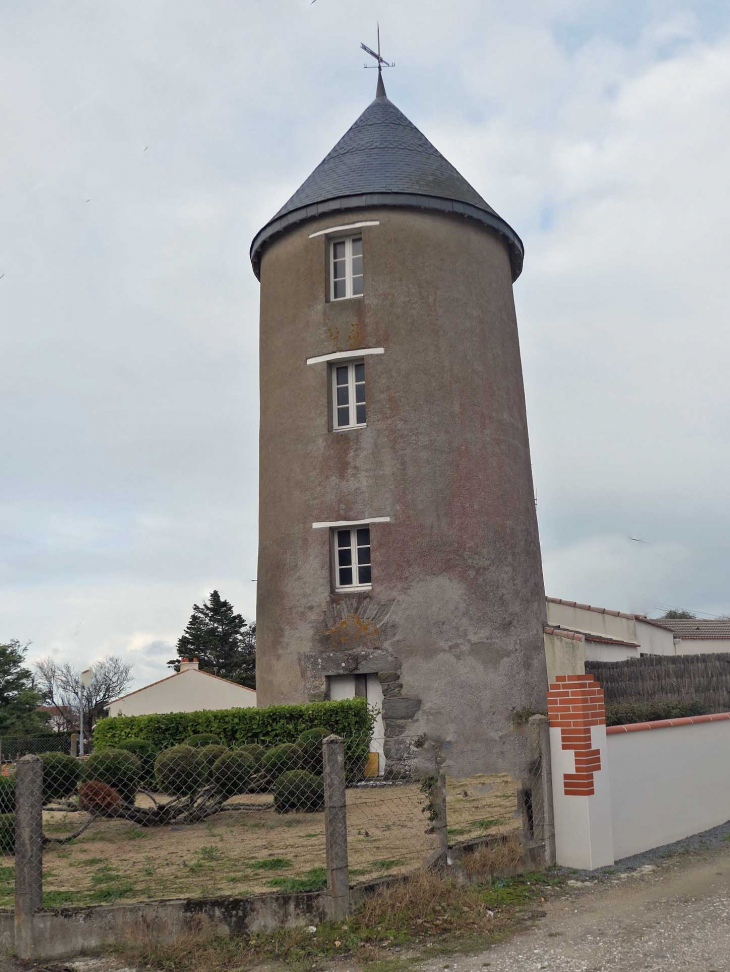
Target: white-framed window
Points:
x,y
348,395
346,268
351,558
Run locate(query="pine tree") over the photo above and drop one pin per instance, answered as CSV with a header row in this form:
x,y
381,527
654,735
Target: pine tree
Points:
x,y
19,699
222,641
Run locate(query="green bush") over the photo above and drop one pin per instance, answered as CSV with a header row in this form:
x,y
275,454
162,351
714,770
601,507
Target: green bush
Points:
x,y
179,770
255,752
281,759
202,739
267,726
146,753
208,756
310,743
625,713
300,791
7,833
61,774
232,772
117,768
7,794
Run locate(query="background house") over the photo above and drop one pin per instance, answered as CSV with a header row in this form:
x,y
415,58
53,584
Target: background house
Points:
x,y
612,635
693,636
188,690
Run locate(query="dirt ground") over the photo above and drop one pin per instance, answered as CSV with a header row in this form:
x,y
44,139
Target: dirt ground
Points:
x,y
252,851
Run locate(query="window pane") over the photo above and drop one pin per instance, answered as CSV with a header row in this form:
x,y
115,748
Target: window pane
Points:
x,y
345,576
339,289
363,555
342,375
359,372
357,266
360,411
344,555
357,286
338,250
360,393
343,417
343,395
339,271
357,246
343,538
364,575
363,536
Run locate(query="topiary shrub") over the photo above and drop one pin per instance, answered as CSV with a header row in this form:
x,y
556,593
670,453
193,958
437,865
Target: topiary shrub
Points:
x,y
7,794
61,774
253,750
232,772
310,743
7,833
96,797
280,760
208,756
179,770
146,753
118,769
202,739
298,790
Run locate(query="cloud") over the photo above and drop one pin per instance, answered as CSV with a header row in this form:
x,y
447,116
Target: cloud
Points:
x,y
144,145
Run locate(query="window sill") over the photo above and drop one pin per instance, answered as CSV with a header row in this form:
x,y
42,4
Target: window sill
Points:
x,y
339,300
351,428
352,590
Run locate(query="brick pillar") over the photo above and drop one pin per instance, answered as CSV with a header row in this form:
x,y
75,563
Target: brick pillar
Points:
x,y
581,789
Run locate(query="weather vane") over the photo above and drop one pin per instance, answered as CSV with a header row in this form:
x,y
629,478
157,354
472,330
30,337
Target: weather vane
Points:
x,y
381,60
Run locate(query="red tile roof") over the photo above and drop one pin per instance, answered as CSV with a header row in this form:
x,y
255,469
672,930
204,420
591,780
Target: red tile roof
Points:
x,y
590,607
717,629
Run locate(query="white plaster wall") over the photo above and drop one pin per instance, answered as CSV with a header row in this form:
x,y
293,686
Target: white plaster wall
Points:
x,y
343,687
186,692
564,656
599,652
579,619
654,640
667,784
702,646
583,837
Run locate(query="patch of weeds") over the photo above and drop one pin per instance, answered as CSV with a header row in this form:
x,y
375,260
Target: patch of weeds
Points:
x,y
313,880
269,864
137,833
456,831
210,853
55,899
112,892
387,862
486,823
726,837
306,836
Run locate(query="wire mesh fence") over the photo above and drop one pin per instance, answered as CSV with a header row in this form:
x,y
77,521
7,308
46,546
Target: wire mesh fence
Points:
x,y
202,819
12,748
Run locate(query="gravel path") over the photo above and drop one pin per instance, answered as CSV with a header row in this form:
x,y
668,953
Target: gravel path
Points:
x,y
674,917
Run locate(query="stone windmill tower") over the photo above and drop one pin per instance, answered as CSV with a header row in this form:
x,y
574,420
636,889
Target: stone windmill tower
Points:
x,y
398,553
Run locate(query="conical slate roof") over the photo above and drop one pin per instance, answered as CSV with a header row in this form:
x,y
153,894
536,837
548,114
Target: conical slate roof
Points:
x,y
384,160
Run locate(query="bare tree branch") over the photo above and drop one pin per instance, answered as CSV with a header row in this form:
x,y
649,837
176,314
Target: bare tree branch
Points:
x,y
60,686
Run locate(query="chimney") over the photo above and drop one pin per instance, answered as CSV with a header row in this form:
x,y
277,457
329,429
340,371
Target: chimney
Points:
x,y
186,665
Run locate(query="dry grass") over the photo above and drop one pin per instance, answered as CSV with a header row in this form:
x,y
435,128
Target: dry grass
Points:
x,y
386,932
498,858
255,851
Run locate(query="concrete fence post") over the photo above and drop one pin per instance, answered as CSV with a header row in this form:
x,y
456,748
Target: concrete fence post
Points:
x,y
28,851
74,744
440,823
542,793
335,828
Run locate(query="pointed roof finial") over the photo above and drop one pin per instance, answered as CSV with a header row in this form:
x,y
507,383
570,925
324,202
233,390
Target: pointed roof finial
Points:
x,y
381,63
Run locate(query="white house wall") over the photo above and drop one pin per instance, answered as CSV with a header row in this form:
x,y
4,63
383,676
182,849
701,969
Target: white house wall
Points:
x,y
595,651
595,622
654,640
701,646
187,692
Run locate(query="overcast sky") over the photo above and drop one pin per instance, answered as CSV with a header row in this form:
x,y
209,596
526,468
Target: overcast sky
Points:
x,y
143,145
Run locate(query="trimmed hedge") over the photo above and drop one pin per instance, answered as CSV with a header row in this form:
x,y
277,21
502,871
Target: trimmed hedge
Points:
x,y
208,755
232,771
118,769
624,713
61,774
7,794
202,739
298,791
268,726
179,770
255,752
7,833
281,759
310,743
147,753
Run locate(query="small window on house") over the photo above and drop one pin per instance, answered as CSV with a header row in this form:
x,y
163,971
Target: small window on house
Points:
x,y
351,556
346,268
348,395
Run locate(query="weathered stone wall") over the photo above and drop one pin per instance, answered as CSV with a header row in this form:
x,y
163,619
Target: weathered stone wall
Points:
x,y
454,622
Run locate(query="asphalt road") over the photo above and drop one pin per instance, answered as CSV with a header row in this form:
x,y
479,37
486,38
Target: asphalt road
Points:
x,y
673,917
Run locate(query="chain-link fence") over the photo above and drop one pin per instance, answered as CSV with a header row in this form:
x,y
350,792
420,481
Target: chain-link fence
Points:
x,y
203,819
12,748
